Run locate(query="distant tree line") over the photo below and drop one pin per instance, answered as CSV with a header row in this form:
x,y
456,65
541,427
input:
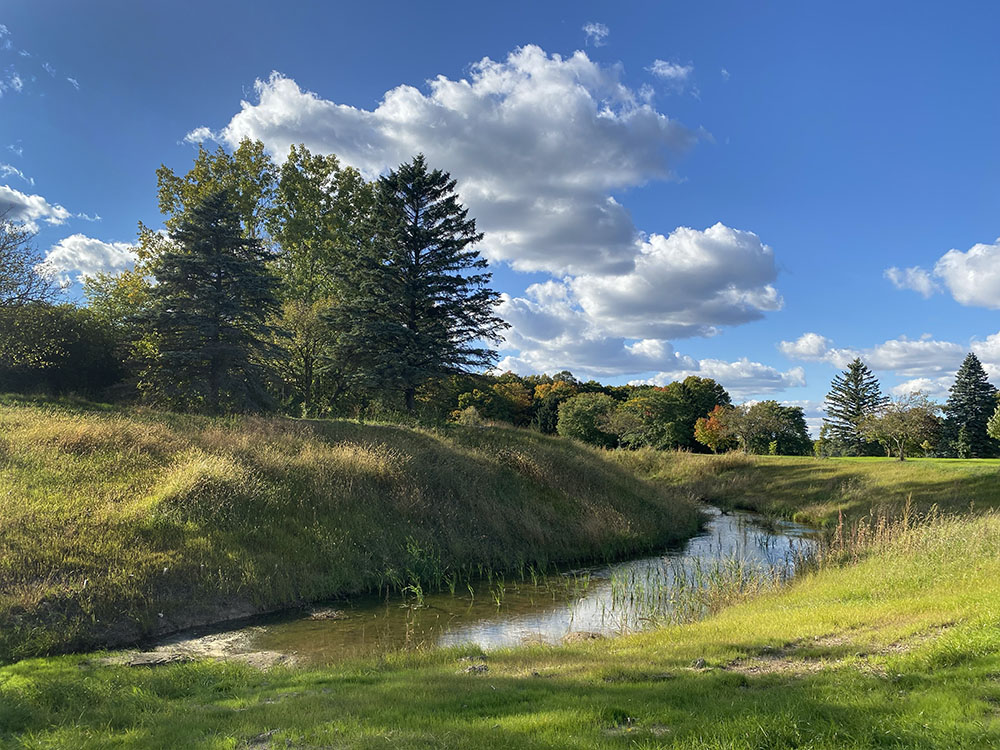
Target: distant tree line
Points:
x,y
862,421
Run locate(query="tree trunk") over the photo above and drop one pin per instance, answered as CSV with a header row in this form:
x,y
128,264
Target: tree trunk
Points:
x,y
410,395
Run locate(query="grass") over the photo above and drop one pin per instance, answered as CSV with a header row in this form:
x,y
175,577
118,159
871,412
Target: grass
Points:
x,y
892,641
817,491
117,525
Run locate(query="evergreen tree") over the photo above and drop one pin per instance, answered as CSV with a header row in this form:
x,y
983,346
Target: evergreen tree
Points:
x,y
418,305
971,403
209,311
854,395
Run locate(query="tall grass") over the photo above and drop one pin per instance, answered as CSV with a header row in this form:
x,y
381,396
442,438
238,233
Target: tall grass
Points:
x,y
117,525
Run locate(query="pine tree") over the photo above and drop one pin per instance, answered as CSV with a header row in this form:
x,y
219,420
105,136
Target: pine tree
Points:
x,y
971,403
209,310
854,395
419,305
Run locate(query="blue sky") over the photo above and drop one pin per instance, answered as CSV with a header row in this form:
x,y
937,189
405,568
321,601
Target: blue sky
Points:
x,y
666,188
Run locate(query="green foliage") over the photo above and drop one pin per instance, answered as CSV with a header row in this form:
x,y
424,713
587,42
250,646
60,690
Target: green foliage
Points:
x,y
767,427
419,305
209,311
971,403
903,425
854,395
714,430
586,416
56,349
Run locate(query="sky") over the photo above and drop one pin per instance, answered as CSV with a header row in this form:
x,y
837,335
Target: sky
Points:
x,y
753,192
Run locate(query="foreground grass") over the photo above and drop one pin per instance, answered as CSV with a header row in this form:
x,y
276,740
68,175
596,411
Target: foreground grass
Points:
x,y
900,649
818,491
117,525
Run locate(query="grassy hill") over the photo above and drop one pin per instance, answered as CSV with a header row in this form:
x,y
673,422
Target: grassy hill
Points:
x,y
115,525
818,491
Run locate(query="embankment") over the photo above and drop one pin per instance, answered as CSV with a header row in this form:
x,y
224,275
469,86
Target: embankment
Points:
x,y
120,525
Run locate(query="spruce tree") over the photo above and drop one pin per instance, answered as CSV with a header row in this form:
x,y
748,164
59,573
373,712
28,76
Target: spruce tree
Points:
x,y
854,395
419,304
209,311
970,405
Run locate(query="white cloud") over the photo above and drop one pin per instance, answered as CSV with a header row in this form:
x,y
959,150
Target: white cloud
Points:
x,y
936,388
972,276
808,346
684,284
200,135
73,82
725,74
8,170
915,278
596,33
903,356
30,209
79,255
536,142
742,378
670,71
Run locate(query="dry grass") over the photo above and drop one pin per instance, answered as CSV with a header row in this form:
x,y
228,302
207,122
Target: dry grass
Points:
x,y
117,525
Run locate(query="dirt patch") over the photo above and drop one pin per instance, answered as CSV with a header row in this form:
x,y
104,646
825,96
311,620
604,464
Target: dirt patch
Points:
x,y
234,646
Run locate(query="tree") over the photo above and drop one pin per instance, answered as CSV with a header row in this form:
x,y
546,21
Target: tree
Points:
x,y
993,426
767,427
714,430
854,395
971,403
209,312
320,223
419,304
903,424
585,417
22,280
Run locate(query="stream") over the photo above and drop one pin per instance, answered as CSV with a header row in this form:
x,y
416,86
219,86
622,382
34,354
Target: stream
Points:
x,y
588,602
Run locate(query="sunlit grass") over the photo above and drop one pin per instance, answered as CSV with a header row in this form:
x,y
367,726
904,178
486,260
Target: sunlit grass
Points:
x,y
814,490
892,642
117,524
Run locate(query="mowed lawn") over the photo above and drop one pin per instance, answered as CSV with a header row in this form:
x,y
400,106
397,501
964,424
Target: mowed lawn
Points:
x,y
821,490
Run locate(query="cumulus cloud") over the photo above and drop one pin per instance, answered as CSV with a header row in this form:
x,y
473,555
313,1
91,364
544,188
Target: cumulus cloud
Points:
x,y
914,278
904,356
972,277
670,71
79,255
742,378
936,388
30,209
200,135
596,33
537,143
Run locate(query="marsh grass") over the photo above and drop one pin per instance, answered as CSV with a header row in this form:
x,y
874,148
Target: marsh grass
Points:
x,y
117,525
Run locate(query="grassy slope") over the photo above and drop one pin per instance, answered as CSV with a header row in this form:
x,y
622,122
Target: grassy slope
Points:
x,y
815,490
901,650
115,525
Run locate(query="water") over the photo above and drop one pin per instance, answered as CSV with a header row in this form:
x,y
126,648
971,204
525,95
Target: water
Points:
x,y
607,600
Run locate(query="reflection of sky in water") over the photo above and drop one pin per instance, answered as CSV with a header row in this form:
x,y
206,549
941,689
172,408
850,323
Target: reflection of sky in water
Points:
x,y
582,601
730,536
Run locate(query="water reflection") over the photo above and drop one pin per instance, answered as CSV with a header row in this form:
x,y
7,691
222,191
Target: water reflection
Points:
x,y
607,600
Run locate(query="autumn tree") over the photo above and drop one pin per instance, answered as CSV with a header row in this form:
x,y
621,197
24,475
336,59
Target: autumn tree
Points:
x,y
715,430
22,280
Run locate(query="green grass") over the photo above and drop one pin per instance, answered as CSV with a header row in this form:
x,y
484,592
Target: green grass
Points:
x,y
900,649
116,525
818,491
